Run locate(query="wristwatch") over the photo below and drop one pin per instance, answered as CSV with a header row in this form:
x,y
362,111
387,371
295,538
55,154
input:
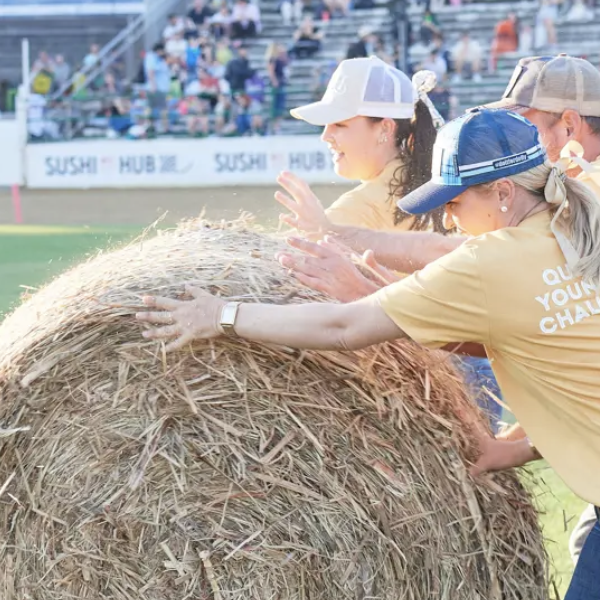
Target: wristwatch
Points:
x,y
228,317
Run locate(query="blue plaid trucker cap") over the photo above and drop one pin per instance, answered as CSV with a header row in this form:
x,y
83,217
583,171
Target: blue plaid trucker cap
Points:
x,y
477,147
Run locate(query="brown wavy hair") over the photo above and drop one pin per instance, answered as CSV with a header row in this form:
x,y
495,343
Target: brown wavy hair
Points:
x,y
414,140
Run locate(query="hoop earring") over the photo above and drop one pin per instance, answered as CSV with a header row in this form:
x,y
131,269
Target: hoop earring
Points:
x,y
504,209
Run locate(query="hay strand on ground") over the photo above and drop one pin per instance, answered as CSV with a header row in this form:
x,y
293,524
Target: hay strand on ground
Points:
x,y
234,470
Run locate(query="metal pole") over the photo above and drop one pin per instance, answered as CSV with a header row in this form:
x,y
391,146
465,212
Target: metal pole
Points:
x,y
403,41
130,54
25,65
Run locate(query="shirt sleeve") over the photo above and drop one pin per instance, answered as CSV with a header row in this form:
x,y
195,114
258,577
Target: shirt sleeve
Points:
x,y
441,304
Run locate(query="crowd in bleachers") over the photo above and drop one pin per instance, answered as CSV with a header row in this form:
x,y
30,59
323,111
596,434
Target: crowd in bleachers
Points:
x,y
198,80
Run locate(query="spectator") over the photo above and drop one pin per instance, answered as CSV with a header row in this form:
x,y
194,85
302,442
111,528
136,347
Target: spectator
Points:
x,y
245,20
466,56
506,39
140,114
321,77
38,125
174,27
277,63
381,52
220,23
307,39
335,8
199,14
443,100
205,86
291,11
434,62
545,25
238,71
247,116
120,120
61,71
92,58
429,27
43,75
158,78
440,46
176,47
223,52
223,116
90,62
365,44
43,63
112,86
215,69
255,88
195,113
192,55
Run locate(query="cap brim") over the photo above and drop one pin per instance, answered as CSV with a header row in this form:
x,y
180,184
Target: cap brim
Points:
x,y
321,113
429,197
504,104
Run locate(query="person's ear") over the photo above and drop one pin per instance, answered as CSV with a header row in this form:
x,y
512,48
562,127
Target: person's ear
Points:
x,y
387,128
506,194
572,123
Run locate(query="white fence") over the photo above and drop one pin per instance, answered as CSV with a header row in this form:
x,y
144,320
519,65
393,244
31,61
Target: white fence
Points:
x,y
11,153
176,163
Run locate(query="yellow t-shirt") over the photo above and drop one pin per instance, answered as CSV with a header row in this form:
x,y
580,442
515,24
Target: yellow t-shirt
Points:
x,y
511,291
592,178
369,205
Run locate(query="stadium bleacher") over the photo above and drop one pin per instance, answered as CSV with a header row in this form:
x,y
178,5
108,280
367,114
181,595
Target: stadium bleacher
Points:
x,y
72,33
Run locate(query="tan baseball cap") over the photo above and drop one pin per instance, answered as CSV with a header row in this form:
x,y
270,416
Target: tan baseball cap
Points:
x,y
366,87
553,84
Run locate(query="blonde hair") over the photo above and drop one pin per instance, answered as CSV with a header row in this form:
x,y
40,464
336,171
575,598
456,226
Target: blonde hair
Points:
x,y
580,219
271,51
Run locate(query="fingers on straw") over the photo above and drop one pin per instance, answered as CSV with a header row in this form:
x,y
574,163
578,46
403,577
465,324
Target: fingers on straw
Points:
x,y
178,344
160,302
155,317
312,248
159,333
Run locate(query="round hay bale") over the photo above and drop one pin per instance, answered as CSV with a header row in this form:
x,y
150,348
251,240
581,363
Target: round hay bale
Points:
x,y
234,470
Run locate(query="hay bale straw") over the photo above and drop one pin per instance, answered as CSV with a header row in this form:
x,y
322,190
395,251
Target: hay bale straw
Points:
x,y
235,470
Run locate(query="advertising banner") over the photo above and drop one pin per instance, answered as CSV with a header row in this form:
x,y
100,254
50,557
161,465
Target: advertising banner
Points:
x,y
177,163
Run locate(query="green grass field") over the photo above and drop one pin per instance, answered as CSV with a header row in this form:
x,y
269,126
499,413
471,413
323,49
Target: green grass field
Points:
x,y
31,256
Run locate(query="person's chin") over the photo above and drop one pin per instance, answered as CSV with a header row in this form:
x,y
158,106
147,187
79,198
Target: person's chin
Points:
x,y
342,170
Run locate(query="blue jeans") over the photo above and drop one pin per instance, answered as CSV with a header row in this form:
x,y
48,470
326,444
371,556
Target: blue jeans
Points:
x,y
479,377
585,584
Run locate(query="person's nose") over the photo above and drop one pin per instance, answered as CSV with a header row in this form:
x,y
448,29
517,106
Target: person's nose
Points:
x,y
327,135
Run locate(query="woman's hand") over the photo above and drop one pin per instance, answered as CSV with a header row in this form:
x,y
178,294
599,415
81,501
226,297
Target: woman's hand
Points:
x,y
325,268
183,321
497,455
308,214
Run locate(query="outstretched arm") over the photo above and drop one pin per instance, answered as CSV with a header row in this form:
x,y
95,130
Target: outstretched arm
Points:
x,y
406,252
319,326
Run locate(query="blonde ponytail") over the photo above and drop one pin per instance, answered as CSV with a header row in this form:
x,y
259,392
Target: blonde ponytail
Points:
x,y
576,216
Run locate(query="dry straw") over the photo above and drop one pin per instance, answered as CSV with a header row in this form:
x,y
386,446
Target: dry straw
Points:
x,y
235,470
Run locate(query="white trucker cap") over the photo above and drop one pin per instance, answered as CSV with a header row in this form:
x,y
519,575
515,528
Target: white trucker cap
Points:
x,y
366,87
